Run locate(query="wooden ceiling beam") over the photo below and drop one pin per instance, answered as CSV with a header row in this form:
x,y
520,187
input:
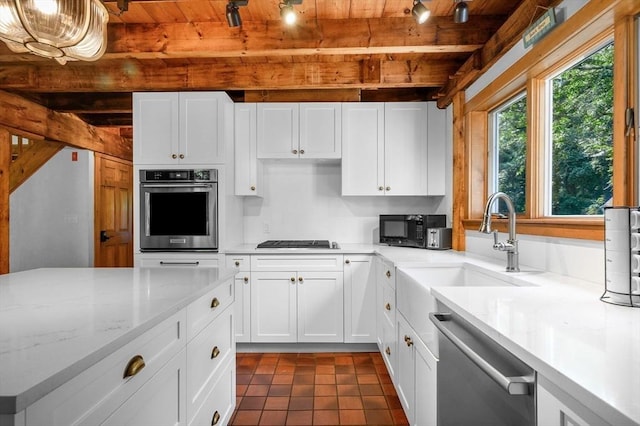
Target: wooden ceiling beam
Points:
x,y
500,43
86,103
101,77
23,115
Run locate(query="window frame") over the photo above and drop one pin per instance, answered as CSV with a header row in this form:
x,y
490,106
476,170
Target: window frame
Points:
x,y
555,52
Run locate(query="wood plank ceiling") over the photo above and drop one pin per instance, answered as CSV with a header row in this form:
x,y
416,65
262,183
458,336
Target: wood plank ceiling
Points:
x,y
343,50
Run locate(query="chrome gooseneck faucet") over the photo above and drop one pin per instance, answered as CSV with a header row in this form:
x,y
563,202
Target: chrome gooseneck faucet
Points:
x,y
511,245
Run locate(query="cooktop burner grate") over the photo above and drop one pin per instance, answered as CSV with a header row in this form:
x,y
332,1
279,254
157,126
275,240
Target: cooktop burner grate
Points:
x,y
321,244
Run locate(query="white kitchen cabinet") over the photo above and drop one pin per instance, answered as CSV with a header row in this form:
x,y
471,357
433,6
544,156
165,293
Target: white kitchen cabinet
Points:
x,y
386,314
555,407
179,127
157,402
248,170
242,309
296,306
387,149
416,380
359,299
291,130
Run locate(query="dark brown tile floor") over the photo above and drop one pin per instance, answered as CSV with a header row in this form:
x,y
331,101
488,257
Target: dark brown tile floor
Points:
x,y
315,389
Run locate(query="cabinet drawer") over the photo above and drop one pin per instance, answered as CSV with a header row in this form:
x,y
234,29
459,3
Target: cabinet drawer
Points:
x,y
205,354
218,405
204,310
240,263
388,305
389,349
316,262
153,262
387,273
91,396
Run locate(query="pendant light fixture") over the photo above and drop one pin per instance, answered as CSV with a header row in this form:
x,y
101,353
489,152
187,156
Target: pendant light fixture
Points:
x,y
233,14
420,12
461,12
65,30
287,12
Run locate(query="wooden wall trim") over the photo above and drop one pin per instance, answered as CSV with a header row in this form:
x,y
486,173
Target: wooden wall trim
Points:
x,y
459,180
5,161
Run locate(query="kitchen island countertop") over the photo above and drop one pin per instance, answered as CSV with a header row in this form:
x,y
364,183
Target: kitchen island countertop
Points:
x,y
56,322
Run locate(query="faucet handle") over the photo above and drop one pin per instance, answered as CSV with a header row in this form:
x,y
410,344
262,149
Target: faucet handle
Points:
x,y
495,237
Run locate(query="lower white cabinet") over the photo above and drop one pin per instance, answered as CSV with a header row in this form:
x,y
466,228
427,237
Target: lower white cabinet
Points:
x,y
297,306
243,307
359,299
158,401
386,314
555,407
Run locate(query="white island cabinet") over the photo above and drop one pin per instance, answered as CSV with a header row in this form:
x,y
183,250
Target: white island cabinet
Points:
x,y
134,346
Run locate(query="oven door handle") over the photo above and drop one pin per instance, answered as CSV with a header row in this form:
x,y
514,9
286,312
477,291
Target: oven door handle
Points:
x,y
177,185
516,385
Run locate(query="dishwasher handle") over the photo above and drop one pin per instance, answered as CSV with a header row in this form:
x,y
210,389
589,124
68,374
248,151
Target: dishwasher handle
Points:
x,y
516,385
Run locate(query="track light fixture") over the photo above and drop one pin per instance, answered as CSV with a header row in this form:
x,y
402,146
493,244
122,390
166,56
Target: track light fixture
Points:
x,y
420,12
233,15
461,12
287,12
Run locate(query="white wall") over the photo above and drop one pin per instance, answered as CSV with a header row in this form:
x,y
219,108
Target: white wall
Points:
x,y
302,200
51,215
581,259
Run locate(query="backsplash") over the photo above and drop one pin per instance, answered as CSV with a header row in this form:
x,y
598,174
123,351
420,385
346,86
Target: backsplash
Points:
x,y
302,200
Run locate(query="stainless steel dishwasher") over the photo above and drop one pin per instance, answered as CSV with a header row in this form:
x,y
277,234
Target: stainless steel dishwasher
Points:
x,y
480,382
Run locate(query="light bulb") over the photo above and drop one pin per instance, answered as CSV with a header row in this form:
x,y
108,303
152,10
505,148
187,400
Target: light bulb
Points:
x,y
48,7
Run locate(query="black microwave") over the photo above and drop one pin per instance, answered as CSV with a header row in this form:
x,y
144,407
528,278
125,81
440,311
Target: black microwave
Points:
x,y
408,230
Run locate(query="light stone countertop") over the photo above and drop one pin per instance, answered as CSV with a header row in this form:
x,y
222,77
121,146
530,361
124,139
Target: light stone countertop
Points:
x,y
56,322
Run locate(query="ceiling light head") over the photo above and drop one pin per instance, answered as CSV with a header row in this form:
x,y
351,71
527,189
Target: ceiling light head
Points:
x,y
287,12
461,12
420,12
66,30
233,15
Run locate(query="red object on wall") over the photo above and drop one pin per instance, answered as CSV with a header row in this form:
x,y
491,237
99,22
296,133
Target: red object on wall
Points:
x,y
74,156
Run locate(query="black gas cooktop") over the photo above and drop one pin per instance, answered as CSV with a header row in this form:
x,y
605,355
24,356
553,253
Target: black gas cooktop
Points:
x,y
321,244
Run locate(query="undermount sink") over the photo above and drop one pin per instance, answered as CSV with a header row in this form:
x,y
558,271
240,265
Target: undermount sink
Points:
x,y
415,301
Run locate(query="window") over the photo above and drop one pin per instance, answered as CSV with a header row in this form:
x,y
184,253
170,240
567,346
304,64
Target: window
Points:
x,y
580,162
508,151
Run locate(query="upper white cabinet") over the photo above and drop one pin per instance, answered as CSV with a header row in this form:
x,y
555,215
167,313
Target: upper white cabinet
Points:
x,y
248,170
291,130
179,127
388,149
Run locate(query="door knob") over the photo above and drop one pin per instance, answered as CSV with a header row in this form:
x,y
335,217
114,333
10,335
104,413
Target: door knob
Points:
x,y
104,237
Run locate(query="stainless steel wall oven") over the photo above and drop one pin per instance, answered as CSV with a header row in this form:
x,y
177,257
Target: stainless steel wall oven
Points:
x,y
179,210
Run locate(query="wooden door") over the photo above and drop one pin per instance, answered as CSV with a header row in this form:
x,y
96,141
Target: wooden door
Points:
x,y
113,230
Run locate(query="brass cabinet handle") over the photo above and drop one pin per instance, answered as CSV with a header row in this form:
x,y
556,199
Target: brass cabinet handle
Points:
x,y
174,156
388,274
387,306
388,188
237,263
381,188
134,366
295,151
253,188
181,156
215,303
300,279
215,419
215,352
246,279
347,261
388,351
302,151
293,279
408,341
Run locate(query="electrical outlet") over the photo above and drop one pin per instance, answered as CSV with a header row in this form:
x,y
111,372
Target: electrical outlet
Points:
x,y
265,228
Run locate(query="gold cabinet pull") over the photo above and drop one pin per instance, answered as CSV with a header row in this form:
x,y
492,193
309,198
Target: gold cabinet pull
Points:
x,y
215,303
293,279
347,261
174,156
302,151
181,156
300,279
253,188
246,279
381,188
134,366
295,151
388,274
388,351
215,419
237,262
408,341
215,352
388,188
387,306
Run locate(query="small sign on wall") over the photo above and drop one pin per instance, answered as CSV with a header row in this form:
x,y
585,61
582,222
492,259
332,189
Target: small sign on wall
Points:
x,y
540,28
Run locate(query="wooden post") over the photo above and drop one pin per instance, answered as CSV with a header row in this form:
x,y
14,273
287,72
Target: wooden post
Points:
x,y
5,160
460,191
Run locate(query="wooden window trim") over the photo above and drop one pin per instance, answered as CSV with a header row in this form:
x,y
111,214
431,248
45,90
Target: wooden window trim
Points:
x,y
590,26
